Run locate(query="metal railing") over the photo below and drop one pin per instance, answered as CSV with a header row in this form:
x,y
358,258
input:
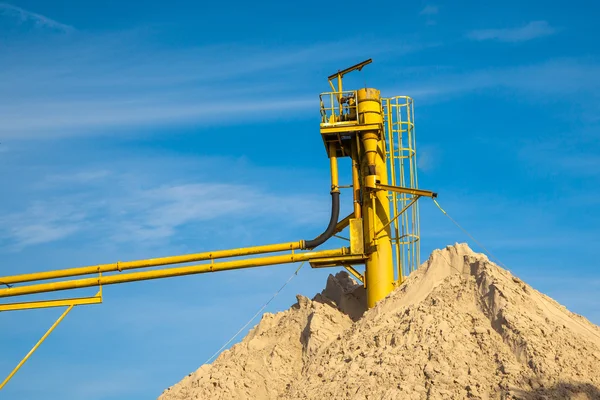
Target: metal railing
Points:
x,y
338,108
401,158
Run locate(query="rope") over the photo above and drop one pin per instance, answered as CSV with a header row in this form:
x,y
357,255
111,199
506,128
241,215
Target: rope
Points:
x,y
256,314
489,253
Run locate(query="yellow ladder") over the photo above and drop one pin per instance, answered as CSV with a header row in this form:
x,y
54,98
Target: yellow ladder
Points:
x,y
402,168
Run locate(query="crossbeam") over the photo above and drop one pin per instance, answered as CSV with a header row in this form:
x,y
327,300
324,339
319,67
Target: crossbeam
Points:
x,y
32,305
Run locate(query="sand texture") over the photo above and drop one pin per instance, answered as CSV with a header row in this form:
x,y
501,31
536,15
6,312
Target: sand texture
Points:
x,y
460,327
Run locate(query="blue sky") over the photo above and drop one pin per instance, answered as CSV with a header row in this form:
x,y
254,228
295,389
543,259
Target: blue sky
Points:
x,y
149,128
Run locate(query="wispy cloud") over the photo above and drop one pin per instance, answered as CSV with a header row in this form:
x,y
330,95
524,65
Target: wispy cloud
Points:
x,y
157,213
427,158
429,10
142,213
532,30
89,84
77,177
554,77
584,164
41,222
575,157
24,17
68,118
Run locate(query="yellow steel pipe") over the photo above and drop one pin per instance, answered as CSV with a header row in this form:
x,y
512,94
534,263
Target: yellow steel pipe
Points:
x,y
170,272
379,269
369,112
333,164
356,180
152,262
339,79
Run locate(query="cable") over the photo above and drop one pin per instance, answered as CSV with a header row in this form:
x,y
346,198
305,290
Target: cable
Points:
x,y
505,267
469,235
255,315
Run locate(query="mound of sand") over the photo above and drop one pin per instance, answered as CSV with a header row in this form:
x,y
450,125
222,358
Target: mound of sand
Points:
x,y
459,327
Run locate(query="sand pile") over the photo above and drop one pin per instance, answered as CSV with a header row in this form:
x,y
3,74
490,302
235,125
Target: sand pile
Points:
x,y
459,327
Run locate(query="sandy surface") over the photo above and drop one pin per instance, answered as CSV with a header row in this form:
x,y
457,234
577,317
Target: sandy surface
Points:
x,y
459,327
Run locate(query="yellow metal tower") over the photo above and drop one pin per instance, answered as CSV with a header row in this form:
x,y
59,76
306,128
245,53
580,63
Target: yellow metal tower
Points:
x,y
377,134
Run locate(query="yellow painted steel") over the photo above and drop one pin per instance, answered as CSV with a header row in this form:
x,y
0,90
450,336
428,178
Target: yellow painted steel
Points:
x,y
30,305
333,166
379,274
170,272
339,261
402,169
344,127
399,214
343,223
356,178
355,273
357,240
14,371
390,158
340,74
152,262
414,192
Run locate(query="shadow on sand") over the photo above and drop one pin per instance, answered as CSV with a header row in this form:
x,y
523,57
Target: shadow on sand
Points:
x,y
566,391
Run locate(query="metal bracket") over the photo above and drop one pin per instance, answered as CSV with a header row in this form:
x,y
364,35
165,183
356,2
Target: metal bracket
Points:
x,y
338,261
357,243
399,189
31,305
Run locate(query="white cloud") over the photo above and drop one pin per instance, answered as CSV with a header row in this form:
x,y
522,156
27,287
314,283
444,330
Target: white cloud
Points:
x,y
21,16
158,212
76,118
41,222
532,30
124,209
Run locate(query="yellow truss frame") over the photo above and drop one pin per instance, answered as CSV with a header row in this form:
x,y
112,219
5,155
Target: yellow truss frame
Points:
x,y
69,303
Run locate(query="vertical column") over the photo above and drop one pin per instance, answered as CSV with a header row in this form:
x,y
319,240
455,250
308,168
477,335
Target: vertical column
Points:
x,y
356,179
379,272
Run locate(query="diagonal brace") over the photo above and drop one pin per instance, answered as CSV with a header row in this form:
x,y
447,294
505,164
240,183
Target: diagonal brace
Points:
x,y
14,371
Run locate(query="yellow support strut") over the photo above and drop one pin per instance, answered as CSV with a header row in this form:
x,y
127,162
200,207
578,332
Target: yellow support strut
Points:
x,y
14,371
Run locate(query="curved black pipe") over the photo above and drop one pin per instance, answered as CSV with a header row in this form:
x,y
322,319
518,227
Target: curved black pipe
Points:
x,y
335,214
